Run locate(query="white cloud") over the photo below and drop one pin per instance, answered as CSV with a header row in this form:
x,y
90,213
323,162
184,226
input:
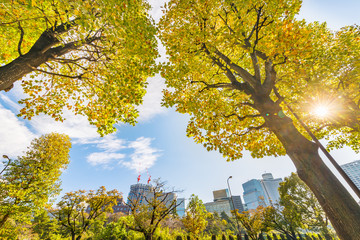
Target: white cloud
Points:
x,y
144,155
105,159
15,137
110,143
152,100
11,103
76,126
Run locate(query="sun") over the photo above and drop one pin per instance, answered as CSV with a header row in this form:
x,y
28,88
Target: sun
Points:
x,y
321,111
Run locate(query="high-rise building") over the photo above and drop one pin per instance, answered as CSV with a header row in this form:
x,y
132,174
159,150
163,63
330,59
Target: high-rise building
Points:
x,y
261,191
180,209
138,192
221,194
271,187
219,207
253,194
223,203
352,169
237,204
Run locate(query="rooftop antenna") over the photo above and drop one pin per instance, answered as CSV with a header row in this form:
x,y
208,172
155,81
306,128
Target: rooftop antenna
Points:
x,y
148,181
138,178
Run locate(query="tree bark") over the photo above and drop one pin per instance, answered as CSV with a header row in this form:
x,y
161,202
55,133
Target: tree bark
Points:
x,y
43,50
20,67
4,219
148,236
338,204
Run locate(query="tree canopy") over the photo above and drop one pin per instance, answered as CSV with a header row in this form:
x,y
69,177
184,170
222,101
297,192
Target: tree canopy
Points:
x,y
89,57
237,67
253,221
333,84
78,210
150,208
299,205
31,180
195,216
229,51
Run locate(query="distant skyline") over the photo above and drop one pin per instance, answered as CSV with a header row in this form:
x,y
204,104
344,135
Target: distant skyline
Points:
x,y
157,145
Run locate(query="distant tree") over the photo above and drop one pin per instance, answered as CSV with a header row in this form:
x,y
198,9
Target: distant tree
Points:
x,y
87,56
173,222
230,222
300,204
215,224
195,216
30,181
283,220
253,221
150,209
112,231
297,209
72,214
45,226
237,65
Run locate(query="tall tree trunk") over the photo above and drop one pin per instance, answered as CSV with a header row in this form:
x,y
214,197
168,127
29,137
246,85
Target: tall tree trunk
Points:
x,y
4,219
148,236
338,204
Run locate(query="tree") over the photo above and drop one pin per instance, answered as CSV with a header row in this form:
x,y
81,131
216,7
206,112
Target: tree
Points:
x,y
29,181
253,221
216,224
149,209
78,210
231,223
45,226
338,94
299,203
297,209
283,220
236,64
112,231
195,216
89,57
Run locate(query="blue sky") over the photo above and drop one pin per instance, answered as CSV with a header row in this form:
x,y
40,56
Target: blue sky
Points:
x,y
157,145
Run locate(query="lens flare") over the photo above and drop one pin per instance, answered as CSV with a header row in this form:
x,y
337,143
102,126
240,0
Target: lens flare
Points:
x,y
321,111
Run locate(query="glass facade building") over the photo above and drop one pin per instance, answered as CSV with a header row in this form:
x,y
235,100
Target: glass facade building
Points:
x,y
352,169
180,209
237,204
138,192
261,192
254,195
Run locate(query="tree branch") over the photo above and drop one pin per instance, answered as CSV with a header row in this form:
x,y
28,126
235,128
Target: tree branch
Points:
x,y
245,75
270,77
216,85
21,38
242,118
58,74
49,37
249,129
